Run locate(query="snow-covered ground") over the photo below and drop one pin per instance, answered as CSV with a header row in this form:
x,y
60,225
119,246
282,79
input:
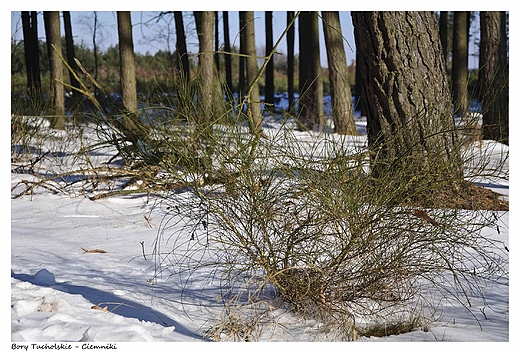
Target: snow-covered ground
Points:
x,y
61,293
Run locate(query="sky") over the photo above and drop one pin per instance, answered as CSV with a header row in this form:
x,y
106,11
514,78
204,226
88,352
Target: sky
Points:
x,y
151,35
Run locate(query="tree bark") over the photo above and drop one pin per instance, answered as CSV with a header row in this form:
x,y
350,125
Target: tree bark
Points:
x,y
494,76
443,32
227,57
69,41
52,24
32,53
269,70
242,86
342,112
183,63
311,85
127,64
253,100
290,60
460,62
205,22
406,84
217,45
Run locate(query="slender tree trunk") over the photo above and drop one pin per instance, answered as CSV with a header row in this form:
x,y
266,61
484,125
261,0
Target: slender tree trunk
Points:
x,y
242,87
406,84
70,52
32,53
182,51
127,62
494,76
342,112
205,22
52,24
460,62
269,70
311,85
94,44
227,49
290,60
253,100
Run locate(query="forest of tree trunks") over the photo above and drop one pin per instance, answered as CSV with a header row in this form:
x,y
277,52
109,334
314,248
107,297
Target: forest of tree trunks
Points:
x,y
386,52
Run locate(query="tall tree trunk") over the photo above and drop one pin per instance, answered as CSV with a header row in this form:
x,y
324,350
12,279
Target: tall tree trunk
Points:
x,y
253,100
205,21
269,70
182,51
32,53
127,62
227,57
311,85
409,115
494,76
460,62
290,60
69,41
52,24
242,86
342,113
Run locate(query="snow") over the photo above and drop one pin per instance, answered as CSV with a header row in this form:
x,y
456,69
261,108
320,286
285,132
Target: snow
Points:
x,y
61,293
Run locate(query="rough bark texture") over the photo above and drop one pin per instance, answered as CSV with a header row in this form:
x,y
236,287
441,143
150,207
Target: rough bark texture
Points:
x,y
443,32
269,70
342,112
252,72
460,62
311,115
127,64
408,98
290,60
494,76
52,19
183,63
206,64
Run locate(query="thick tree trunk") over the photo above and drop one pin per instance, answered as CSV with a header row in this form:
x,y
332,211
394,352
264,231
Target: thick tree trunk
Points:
x,y
127,64
183,63
409,110
290,60
460,62
269,70
494,76
342,112
52,24
253,101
